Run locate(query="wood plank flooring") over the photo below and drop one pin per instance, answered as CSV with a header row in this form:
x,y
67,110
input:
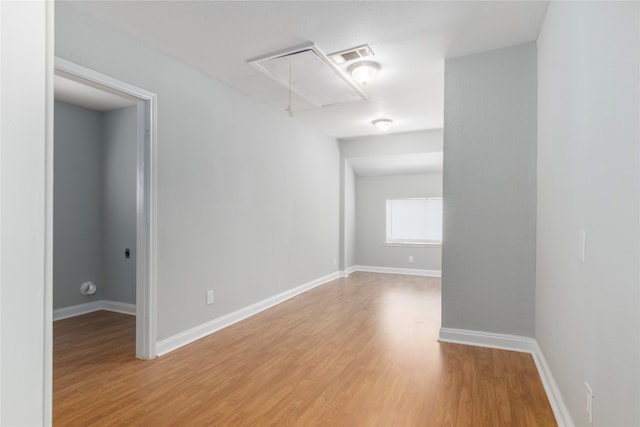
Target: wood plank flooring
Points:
x,y
360,351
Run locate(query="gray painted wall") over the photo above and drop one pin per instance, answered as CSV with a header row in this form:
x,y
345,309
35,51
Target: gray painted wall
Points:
x,y
349,215
588,315
119,154
248,198
371,220
77,219
368,222
490,191
94,204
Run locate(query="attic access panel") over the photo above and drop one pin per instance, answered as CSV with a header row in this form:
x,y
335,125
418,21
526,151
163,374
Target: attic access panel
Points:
x,y
313,76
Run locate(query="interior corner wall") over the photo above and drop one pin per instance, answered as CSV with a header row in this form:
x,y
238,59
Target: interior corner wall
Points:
x,y
588,314
372,193
119,203
366,218
25,338
94,204
349,215
248,198
489,192
77,219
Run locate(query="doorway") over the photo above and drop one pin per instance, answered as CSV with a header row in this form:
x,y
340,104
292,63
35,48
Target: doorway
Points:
x,y
141,105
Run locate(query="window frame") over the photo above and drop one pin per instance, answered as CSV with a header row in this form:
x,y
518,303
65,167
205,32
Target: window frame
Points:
x,y
407,242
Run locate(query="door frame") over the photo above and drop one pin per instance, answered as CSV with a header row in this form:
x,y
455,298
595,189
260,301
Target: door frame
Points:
x,y
146,198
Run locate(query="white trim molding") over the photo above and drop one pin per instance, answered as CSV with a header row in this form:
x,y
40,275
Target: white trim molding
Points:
x,y
414,244
186,337
520,344
486,339
146,198
76,310
560,410
348,271
90,307
119,307
394,270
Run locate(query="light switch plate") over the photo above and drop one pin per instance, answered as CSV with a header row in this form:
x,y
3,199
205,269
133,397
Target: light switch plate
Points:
x,y
582,246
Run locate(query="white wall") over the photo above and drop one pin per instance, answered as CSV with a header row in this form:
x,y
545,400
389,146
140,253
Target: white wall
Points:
x,y
588,315
248,198
371,220
77,204
426,141
488,252
25,313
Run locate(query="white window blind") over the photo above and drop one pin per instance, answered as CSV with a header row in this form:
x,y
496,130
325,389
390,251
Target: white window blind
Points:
x,y
414,220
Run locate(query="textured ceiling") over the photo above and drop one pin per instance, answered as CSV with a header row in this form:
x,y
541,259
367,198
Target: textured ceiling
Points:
x,y
410,40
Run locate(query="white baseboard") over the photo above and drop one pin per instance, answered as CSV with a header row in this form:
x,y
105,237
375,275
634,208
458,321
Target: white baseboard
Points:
x,y
560,410
183,338
89,307
348,271
521,344
394,270
119,307
76,310
487,339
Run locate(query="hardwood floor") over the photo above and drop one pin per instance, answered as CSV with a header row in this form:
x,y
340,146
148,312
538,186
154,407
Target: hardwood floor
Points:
x,y
360,351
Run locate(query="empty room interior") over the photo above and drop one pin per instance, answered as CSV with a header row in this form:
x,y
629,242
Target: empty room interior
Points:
x,y
310,213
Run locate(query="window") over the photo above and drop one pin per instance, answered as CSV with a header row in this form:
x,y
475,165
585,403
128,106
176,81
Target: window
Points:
x,y
414,221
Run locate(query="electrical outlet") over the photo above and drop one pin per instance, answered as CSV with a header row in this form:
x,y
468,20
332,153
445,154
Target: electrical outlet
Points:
x,y
588,402
210,297
410,259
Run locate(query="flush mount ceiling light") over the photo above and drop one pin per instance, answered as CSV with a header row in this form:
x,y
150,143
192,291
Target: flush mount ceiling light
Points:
x,y
363,72
382,124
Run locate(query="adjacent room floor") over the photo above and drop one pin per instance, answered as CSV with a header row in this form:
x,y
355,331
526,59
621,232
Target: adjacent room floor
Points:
x,y
360,351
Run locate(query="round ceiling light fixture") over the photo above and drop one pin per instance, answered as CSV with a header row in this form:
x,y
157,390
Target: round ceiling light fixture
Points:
x,y
363,72
382,124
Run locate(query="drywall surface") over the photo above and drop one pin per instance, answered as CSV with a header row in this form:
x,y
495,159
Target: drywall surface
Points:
x,y
396,163
25,320
371,220
118,156
77,205
393,144
488,254
588,314
94,204
349,215
248,198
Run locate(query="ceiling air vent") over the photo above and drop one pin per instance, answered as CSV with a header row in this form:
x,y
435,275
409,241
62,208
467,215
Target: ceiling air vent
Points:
x,y
308,73
354,53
